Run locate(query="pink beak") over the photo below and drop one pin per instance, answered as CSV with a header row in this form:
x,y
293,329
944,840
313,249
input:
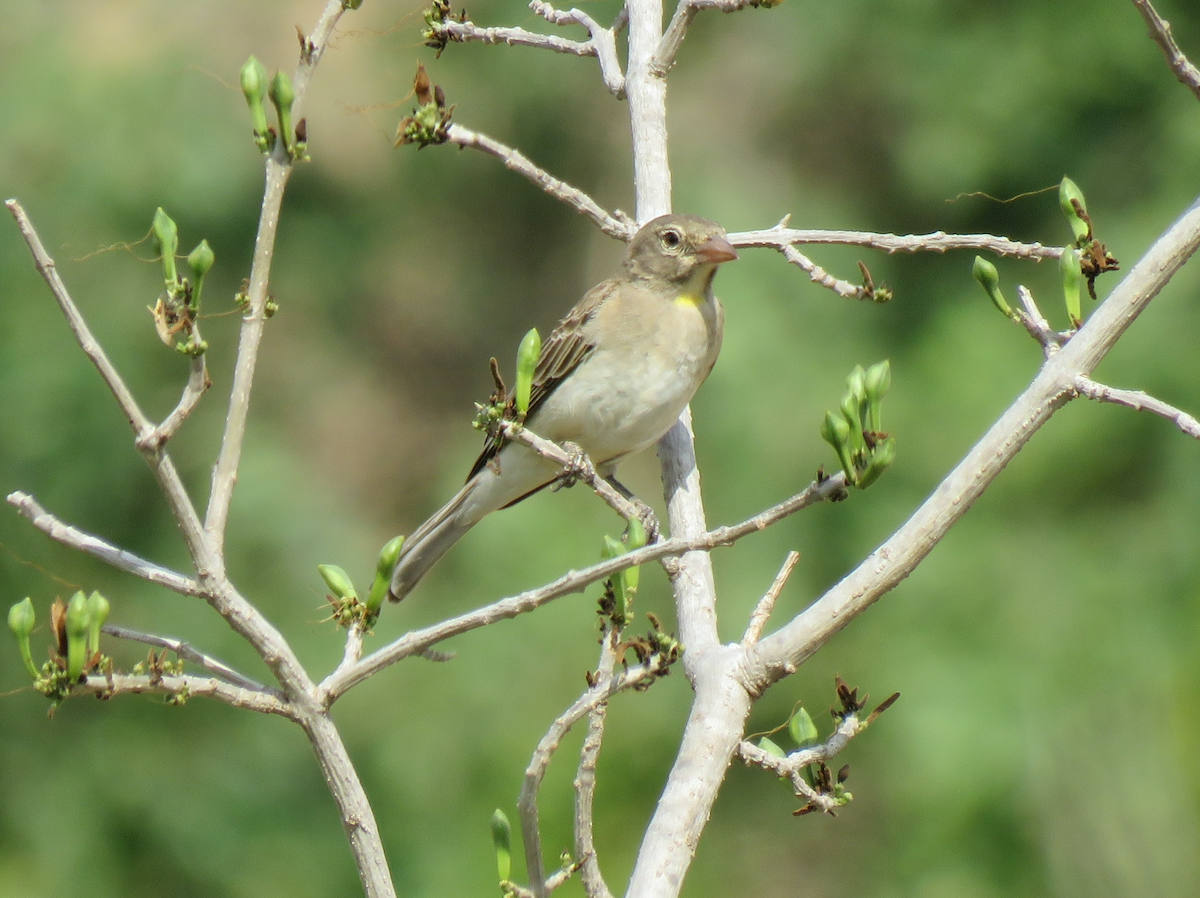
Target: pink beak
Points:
x,y
716,250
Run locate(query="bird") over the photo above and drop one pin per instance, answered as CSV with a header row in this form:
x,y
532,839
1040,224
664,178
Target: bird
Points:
x,y
612,378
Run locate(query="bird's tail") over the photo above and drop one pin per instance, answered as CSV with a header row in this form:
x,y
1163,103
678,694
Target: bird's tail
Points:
x,y
433,539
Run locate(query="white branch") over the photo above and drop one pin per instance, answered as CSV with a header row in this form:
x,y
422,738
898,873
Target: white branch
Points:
x,y
185,686
93,545
1160,30
762,611
614,224
664,57
1138,401
417,641
188,653
779,237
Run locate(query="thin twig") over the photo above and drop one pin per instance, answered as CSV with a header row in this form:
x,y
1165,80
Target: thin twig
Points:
x,y
615,224
762,611
594,885
820,276
576,466
673,37
1160,30
198,383
83,334
185,686
416,641
1138,401
603,41
188,653
792,766
1036,324
937,242
99,548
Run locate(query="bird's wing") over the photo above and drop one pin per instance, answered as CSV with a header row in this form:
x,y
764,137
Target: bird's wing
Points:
x,y
562,352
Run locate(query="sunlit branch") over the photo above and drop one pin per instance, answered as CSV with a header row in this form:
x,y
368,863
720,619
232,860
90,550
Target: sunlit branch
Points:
x,y
99,548
937,242
1138,401
184,687
614,224
762,611
185,651
1160,30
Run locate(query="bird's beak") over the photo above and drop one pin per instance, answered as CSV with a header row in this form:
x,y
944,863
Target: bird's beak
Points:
x,y
716,250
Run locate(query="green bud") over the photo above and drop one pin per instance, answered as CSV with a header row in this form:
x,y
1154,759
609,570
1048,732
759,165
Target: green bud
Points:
x,y
880,460
282,97
878,382
1068,195
21,619
802,729
852,412
771,748
200,262
351,4
98,608
835,430
527,359
388,556
856,384
78,621
1072,282
614,548
985,272
502,840
254,88
166,242
338,581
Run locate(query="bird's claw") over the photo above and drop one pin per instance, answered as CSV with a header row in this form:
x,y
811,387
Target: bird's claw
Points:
x,y
648,518
578,467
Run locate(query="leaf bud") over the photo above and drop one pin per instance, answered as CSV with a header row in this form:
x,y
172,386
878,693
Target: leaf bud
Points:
x,y
802,728
527,359
388,556
200,262
282,97
21,620
881,459
78,619
502,840
989,279
338,581
166,241
98,608
254,88
1072,283
1069,196
771,748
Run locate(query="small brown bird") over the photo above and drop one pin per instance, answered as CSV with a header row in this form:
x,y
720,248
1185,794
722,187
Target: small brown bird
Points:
x,y
613,376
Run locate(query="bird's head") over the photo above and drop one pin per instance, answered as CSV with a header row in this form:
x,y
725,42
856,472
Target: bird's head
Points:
x,y
681,249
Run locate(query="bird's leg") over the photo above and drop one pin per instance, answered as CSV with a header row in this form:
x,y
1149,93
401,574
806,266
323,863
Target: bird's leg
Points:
x,y
578,467
644,512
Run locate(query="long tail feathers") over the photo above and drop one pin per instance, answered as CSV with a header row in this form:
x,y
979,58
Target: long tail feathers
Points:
x,y
425,547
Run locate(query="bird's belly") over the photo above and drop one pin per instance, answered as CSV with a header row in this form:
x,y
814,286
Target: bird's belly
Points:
x,y
637,403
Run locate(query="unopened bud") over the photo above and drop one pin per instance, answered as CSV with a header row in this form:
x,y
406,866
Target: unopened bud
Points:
x,y
985,272
338,581
502,840
802,728
166,241
527,358
98,608
1072,283
388,556
21,620
254,88
1069,197
77,621
282,97
200,262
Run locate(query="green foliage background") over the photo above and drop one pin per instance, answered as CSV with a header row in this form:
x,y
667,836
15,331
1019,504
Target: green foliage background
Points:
x,y
1047,737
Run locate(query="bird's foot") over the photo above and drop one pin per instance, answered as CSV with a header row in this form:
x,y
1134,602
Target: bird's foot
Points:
x,y
578,467
649,519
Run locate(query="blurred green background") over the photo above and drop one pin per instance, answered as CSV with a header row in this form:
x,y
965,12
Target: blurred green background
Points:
x,y
1047,737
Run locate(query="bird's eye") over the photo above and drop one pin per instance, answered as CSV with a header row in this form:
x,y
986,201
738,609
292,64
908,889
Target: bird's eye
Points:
x,y
671,238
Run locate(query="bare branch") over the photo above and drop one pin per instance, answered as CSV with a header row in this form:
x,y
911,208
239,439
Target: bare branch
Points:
x,y
615,224
575,465
83,334
1035,322
820,276
95,546
198,383
415,642
184,687
185,651
762,611
601,41
1054,386
792,767
1138,401
937,242
585,777
664,59
1160,31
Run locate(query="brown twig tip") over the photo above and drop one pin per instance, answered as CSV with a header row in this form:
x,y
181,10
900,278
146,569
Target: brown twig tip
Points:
x,y
883,706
